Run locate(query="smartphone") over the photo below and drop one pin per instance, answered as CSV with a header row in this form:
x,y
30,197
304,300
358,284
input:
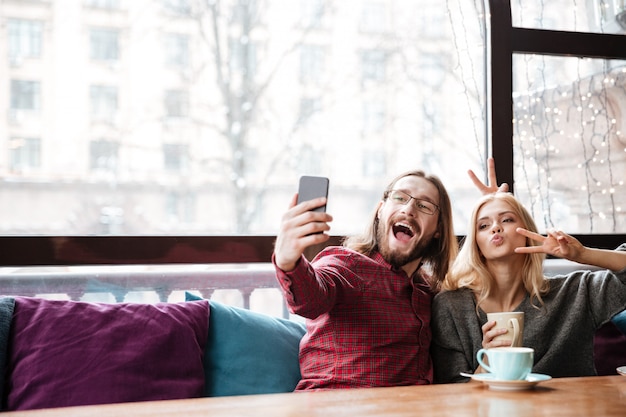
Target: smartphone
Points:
x,y
313,187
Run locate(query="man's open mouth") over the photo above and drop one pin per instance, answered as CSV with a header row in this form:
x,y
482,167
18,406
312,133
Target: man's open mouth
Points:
x,y
403,232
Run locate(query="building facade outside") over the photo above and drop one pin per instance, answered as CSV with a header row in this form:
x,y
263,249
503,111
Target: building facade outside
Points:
x,y
198,117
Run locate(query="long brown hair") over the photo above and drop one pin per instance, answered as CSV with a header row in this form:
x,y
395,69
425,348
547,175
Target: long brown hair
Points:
x,y
440,252
469,270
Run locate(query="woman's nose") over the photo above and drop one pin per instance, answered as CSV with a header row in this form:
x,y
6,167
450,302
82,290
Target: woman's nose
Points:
x,y
496,228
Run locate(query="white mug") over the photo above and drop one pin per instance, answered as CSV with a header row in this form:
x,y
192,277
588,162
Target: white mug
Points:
x,y
512,321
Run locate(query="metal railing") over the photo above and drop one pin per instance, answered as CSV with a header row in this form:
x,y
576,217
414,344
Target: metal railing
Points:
x,y
119,281
168,282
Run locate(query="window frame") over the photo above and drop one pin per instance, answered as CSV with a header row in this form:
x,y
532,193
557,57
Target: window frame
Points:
x,y
503,41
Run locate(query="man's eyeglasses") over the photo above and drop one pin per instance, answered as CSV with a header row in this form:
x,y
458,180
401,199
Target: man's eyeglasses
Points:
x,y
401,198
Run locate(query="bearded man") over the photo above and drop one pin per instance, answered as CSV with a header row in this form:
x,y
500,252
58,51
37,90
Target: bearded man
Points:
x,y
367,302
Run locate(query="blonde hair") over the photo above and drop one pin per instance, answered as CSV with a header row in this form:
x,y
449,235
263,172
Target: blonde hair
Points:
x,y
469,270
441,251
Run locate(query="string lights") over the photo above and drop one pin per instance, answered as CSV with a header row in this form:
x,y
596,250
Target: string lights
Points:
x,y
569,112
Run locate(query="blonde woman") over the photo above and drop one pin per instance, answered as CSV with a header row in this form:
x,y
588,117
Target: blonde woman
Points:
x,y
500,268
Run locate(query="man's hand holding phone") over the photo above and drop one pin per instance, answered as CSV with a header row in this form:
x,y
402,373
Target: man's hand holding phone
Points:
x,y
304,224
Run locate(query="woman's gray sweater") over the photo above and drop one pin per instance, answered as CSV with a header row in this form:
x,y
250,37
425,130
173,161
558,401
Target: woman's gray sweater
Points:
x,y
561,331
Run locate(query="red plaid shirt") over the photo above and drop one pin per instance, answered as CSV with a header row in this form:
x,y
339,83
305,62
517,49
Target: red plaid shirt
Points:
x,y
368,324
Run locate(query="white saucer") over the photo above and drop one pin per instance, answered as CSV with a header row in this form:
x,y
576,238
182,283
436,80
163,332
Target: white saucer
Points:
x,y
500,385
621,370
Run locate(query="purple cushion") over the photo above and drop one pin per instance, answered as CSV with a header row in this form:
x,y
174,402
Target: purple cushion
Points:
x,y
609,345
65,353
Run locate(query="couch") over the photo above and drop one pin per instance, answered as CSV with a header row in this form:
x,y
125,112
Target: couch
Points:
x,y
62,353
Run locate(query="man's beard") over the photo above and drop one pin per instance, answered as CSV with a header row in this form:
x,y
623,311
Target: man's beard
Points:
x,y
394,258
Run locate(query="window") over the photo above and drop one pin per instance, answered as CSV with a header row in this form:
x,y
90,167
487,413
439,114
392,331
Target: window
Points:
x,y
573,114
374,163
176,103
244,12
312,13
176,157
311,63
25,95
308,107
598,16
565,100
103,4
243,56
270,99
215,190
309,159
247,142
373,65
103,155
373,117
611,15
111,220
181,7
432,72
176,50
431,126
104,44
373,16
24,153
104,102
25,38
433,25
180,207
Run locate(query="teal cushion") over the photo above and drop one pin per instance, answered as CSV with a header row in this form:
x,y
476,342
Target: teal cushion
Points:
x,y
249,352
7,304
620,321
